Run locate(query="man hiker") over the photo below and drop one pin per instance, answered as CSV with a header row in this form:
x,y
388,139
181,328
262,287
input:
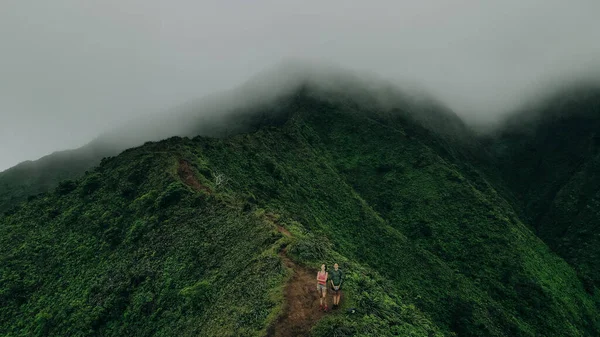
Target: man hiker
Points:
x,y
336,277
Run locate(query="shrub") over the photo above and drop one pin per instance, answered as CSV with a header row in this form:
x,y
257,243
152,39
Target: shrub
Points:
x,y
174,192
198,295
310,248
66,187
91,184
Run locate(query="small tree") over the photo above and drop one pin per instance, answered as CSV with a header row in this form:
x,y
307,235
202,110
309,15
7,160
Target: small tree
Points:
x,y
220,179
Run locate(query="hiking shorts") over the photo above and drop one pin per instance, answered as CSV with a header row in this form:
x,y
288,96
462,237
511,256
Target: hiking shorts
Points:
x,y
321,288
335,292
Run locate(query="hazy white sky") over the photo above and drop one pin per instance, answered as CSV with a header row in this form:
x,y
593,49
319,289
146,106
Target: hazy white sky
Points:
x,y
70,69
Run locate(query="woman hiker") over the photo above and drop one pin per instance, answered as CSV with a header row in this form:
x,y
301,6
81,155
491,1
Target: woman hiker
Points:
x,y
322,277
336,285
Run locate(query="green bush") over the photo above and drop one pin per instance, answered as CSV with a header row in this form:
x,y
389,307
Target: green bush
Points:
x,y
66,187
172,194
91,183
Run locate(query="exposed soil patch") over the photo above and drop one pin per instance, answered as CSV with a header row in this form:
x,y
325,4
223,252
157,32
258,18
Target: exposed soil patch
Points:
x,y
186,174
271,217
283,231
301,307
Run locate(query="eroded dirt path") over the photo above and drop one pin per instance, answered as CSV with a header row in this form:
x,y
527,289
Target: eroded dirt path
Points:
x,y
301,300
301,307
186,174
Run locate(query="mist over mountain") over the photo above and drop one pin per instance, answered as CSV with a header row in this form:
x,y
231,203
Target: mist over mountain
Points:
x,y
215,115
84,68
218,114
261,100
232,112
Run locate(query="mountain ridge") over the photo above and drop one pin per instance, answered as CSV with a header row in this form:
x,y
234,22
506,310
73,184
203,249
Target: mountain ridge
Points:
x,y
222,115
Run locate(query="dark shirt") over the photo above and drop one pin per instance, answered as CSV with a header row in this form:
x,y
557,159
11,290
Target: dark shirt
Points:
x,y
336,277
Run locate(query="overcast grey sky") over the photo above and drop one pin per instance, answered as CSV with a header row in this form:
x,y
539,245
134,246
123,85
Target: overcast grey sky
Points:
x,y
70,69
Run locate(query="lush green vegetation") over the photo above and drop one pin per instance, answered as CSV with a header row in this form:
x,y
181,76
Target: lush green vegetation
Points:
x,y
131,250
550,157
30,178
151,243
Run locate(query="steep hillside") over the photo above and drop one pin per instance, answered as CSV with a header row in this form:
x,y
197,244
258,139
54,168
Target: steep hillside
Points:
x,y
181,237
550,158
32,177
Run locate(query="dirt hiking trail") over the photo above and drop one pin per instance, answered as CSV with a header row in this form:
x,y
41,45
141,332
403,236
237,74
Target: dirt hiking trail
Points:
x,y
186,174
300,309
301,300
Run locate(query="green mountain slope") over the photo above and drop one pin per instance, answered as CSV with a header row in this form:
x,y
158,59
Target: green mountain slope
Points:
x,y
550,158
33,177
130,250
151,243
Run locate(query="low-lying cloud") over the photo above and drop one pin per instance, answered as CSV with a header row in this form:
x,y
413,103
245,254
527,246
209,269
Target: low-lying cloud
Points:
x,y
71,70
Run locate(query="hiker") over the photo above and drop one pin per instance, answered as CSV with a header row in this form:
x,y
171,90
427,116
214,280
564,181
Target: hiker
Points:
x,y
322,287
336,279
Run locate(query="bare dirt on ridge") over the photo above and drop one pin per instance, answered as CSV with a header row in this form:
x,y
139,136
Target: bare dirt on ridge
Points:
x,y
186,174
301,306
